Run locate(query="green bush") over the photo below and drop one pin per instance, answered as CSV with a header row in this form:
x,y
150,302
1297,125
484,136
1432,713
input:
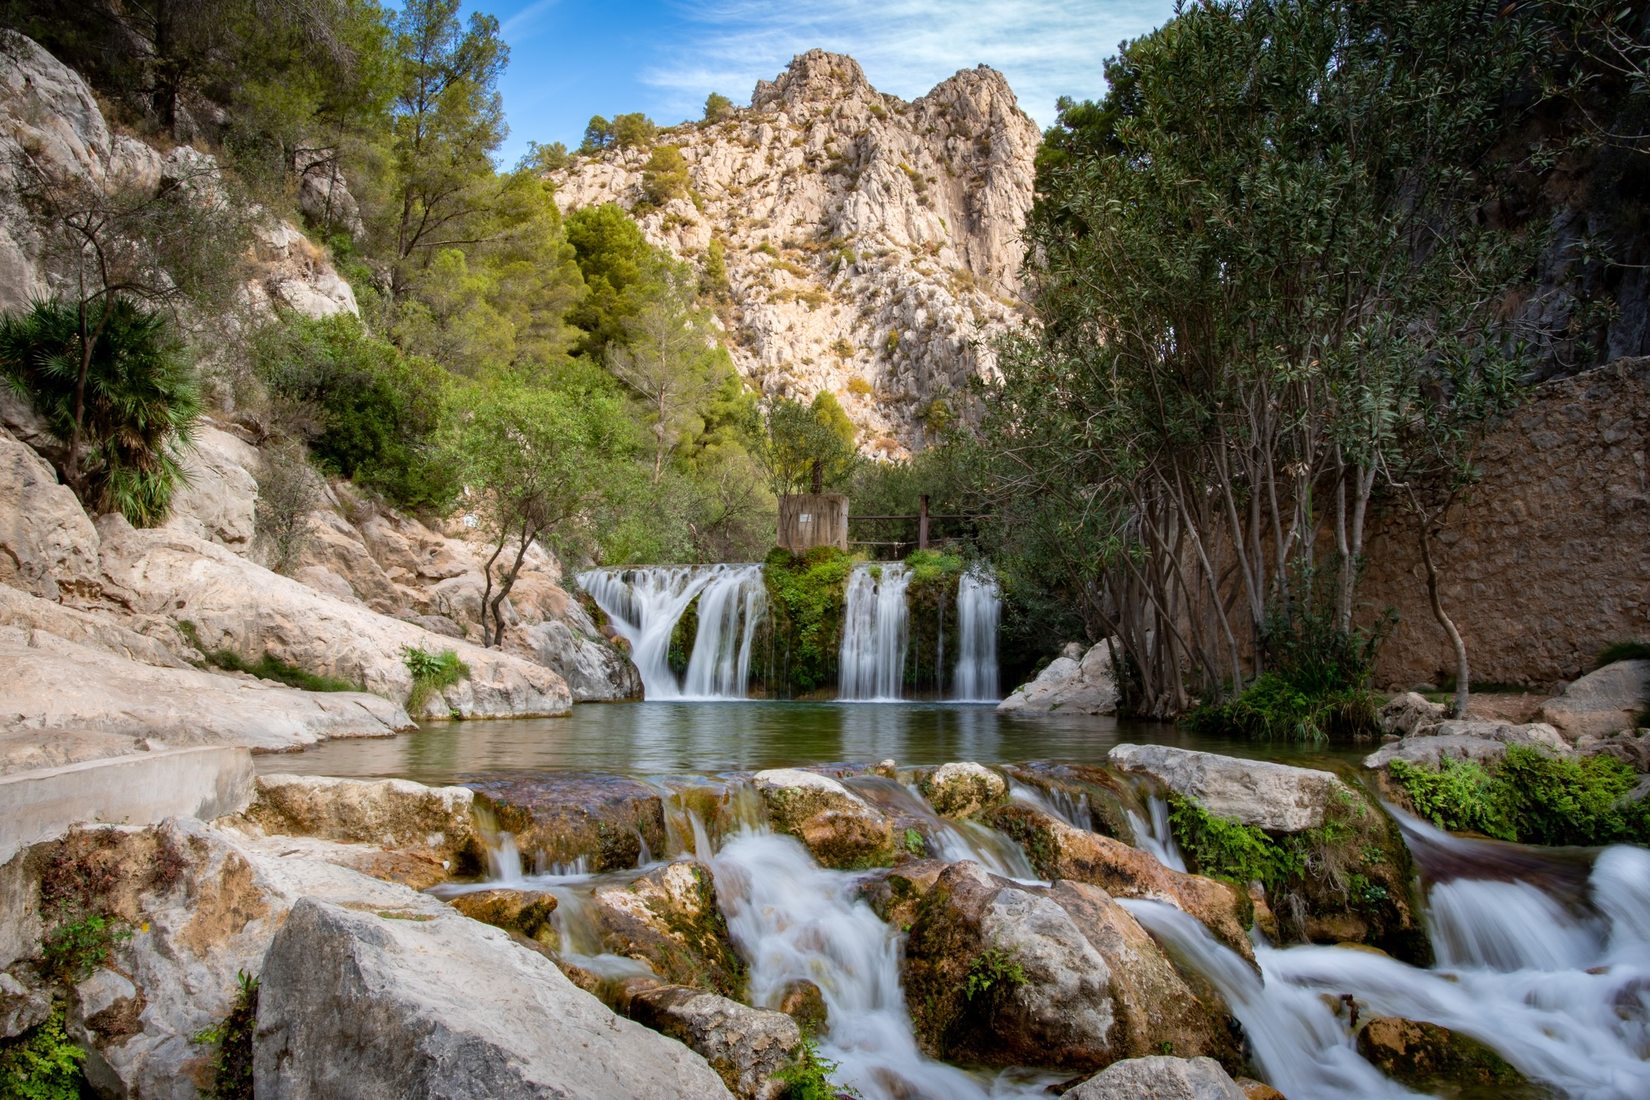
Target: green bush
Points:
x,y
267,667
42,1063
1531,797
432,673
141,399
1274,708
809,1077
79,943
1222,848
372,413
232,1065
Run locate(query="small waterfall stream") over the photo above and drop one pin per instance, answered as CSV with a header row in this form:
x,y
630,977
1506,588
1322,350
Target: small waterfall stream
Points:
x,y
875,634
646,603
979,611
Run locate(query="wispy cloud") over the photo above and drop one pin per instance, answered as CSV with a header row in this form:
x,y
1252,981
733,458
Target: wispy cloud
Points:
x,y
1046,48
527,22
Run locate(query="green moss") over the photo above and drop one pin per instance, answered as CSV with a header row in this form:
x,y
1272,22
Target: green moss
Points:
x,y
1226,849
42,1063
931,596
809,1077
682,637
1531,797
914,843
1623,651
807,594
993,972
1272,708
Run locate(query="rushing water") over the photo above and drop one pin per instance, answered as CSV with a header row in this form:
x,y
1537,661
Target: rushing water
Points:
x,y
979,610
876,631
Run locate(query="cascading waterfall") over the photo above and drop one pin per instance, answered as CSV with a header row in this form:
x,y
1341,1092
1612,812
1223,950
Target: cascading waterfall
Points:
x,y
979,610
646,603
875,634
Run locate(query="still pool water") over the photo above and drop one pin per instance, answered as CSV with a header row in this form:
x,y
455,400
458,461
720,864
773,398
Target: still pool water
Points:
x,y
666,738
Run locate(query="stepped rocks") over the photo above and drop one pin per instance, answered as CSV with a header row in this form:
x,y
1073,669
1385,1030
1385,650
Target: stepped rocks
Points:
x,y
841,829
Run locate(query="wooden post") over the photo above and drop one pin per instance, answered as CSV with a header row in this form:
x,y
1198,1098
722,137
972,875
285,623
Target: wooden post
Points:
x,y
922,522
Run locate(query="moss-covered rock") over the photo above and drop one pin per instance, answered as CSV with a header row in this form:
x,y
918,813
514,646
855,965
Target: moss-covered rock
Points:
x,y
803,1002
669,919
1437,1060
962,789
560,818
1092,797
841,829
525,912
802,635
392,814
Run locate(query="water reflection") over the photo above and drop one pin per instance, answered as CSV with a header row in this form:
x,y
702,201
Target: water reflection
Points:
x,y
670,738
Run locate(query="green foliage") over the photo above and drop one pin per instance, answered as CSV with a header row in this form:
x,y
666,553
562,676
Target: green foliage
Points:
x,y
805,442
232,1065
717,107
809,1077
928,566
1530,797
1272,708
432,673
78,943
267,667
42,1063
665,176
140,398
713,278
914,843
1623,651
633,130
1223,848
994,969
806,597
371,412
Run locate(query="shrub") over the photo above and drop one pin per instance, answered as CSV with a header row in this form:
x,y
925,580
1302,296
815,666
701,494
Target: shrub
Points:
x,y
78,943
432,673
141,400
1623,651
42,1063
1458,794
1274,708
267,667
232,1065
286,494
1222,848
372,413
809,1077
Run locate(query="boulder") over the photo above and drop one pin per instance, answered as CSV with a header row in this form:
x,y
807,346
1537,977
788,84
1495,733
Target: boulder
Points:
x,y
1411,713
392,814
962,789
1059,851
669,919
1274,797
1603,702
363,1004
593,669
1433,1058
1480,740
608,822
526,912
748,1047
23,1004
219,494
841,829
1159,1077
1002,974
1069,686
237,605
48,548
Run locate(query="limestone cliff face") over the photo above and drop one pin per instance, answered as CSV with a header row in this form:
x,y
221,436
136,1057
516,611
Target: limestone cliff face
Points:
x,y
872,245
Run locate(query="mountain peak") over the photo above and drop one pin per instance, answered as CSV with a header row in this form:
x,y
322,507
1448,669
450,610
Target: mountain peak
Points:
x,y
813,76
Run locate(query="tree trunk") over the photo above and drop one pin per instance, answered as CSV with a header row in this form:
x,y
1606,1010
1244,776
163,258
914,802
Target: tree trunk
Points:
x,y
1462,672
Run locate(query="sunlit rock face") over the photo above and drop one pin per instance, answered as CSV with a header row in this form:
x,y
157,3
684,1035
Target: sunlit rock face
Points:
x,y
872,246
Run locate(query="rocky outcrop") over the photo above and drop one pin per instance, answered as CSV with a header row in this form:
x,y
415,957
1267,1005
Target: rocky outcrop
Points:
x,y
561,818
669,919
872,246
1479,740
397,1014
236,605
1081,683
48,547
840,828
217,499
392,814
748,1047
1159,1077
1608,700
962,789
1002,974
525,912
1274,797
1435,1059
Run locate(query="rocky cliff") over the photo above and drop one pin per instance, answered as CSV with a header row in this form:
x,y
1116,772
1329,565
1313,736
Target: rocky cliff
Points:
x,y
872,246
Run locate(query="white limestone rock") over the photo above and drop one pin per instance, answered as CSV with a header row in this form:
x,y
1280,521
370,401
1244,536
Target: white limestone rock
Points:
x,y
1274,797
1069,686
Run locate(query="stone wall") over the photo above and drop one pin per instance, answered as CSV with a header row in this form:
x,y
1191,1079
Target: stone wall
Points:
x,y
1547,559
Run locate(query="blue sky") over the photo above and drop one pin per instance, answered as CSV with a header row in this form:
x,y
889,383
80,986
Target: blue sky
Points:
x,y
570,59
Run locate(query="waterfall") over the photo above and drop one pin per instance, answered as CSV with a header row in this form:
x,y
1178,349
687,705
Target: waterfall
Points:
x,y
875,634
979,609
646,603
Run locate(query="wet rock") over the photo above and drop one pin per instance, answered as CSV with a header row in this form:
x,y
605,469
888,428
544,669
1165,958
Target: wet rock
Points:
x,y
1431,1058
1002,974
1160,1078
1258,1090
1059,851
803,1002
527,912
1603,702
1274,797
748,1047
841,829
1088,796
896,894
1083,685
669,919
1480,740
361,1004
962,789
558,818
391,814
1411,713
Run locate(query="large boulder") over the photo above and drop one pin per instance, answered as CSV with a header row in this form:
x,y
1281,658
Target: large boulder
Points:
x,y
1603,702
362,1004
391,814
593,669
559,819
527,913
1159,1077
962,789
840,828
1274,797
1435,1059
219,494
1003,974
235,604
1080,685
48,547
1411,713
1475,739
748,1047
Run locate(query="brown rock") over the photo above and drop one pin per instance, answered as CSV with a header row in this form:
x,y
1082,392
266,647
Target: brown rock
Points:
x,y
527,912
1428,1057
563,817
669,919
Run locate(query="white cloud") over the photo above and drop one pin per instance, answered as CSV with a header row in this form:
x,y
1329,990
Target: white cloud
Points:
x,y
524,24
1046,48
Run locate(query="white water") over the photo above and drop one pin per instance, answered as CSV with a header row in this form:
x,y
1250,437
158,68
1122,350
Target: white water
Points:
x,y
1152,834
979,610
646,602
875,634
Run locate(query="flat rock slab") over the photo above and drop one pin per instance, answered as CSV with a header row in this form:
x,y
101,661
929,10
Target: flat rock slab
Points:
x,y
1274,797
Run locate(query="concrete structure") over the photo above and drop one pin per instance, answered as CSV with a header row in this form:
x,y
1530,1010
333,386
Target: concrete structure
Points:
x,y
140,789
